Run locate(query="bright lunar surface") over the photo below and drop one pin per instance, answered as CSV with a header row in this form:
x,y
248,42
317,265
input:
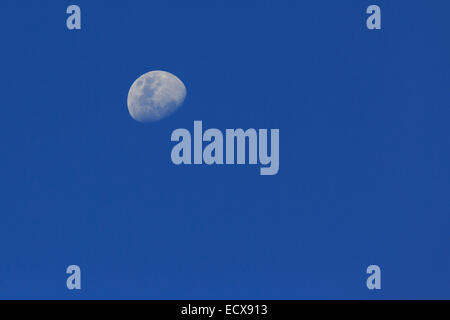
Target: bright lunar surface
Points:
x,y
155,95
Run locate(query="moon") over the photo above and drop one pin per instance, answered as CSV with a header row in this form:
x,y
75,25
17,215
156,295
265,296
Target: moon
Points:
x,y
155,95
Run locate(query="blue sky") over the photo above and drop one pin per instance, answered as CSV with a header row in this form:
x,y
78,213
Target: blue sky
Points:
x,y
364,151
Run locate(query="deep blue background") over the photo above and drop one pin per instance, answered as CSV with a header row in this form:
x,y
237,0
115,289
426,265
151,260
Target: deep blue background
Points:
x,y
364,150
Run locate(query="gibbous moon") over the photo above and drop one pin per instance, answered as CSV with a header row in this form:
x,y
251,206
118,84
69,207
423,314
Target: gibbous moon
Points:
x,y
155,95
